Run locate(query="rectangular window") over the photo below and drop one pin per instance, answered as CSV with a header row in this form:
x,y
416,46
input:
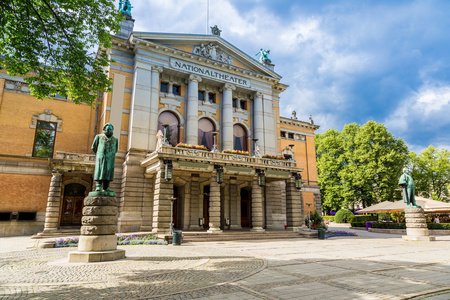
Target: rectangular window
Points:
x,y
283,134
212,98
164,87
290,135
176,90
235,103
201,95
243,104
44,140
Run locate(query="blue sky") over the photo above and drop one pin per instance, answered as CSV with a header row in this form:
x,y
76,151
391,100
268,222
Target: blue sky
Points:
x,y
344,61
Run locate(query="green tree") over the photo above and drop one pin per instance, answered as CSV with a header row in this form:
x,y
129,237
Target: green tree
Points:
x,y
359,165
51,44
431,173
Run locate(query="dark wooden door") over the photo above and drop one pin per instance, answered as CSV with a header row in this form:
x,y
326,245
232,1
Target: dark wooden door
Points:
x,y
206,207
245,208
72,210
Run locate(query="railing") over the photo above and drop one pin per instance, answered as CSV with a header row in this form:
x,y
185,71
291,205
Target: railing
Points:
x,y
74,156
208,156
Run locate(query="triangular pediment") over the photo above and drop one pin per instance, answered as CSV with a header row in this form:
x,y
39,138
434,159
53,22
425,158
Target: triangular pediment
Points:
x,y
210,47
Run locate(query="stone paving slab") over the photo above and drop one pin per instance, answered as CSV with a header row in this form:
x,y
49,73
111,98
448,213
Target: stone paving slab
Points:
x,y
369,266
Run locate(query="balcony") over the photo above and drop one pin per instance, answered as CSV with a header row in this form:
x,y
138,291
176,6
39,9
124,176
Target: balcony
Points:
x,y
73,162
184,158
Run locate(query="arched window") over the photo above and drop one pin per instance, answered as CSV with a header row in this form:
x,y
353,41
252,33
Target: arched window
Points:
x,y
173,128
239,138
205,133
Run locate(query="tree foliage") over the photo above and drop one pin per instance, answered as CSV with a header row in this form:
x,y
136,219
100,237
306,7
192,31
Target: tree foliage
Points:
x,y
359,165
431,173
51,44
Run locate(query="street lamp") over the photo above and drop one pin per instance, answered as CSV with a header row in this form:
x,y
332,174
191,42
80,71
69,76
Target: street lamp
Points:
x,y
309,216
168,170
298,180
172,201
261,177
219,171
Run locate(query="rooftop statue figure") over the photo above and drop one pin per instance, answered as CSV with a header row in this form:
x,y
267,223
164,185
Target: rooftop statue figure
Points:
x,y
125,6
215,30
105,146
264,56
407,182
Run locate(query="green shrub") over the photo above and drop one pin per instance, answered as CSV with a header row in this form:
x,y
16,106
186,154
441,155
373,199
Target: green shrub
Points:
x,y
438,225
329,218
365,218
389,225
358,224
398,216
383,217
316,219
342,216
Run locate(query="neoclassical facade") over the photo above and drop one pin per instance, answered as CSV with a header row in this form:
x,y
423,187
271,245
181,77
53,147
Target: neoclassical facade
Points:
x,y
198,124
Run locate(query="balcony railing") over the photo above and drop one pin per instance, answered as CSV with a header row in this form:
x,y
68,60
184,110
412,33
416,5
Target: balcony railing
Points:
x,y
74,156
226,158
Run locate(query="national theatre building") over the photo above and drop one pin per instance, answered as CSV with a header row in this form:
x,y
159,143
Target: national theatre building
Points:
x,y
200,135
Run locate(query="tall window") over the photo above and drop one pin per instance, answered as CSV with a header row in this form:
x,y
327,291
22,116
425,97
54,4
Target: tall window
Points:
x,y
205,133
44,139
173,128
239,138
201,95
164,87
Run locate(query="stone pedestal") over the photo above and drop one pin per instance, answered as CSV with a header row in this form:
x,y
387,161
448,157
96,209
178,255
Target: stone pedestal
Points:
x,y
98,241
416,225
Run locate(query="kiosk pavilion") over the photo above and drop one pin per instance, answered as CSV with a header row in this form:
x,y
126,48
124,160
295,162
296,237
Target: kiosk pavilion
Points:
x,y
170,93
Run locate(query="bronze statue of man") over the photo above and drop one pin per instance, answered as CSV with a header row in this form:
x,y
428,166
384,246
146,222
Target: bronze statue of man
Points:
x,y
406,181
105,146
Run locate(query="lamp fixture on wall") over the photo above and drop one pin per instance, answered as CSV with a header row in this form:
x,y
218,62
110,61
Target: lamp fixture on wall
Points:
x,y
298,180
219,171
168,171
261,177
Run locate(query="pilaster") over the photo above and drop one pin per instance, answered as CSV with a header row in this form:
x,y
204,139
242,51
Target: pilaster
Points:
x,y
258,120
196,203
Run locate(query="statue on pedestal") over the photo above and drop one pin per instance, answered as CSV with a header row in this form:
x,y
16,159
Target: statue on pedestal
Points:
x,y
105,146
407,182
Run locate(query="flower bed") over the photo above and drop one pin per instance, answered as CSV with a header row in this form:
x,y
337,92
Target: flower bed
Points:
x,y
187,146
279,157
239,152
121,240
68,242
333,233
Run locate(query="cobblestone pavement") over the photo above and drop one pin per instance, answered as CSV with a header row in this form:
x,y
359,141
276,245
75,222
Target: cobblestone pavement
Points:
x,y
370,266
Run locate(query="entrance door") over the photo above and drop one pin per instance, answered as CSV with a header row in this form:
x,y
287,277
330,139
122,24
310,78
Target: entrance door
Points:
x,y
245,208
206,207
72,207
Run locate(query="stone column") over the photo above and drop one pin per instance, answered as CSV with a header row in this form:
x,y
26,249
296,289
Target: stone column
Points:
x,y
53,203
196,202
214,206
294,203
416,225
257,207
235,205
227,116
154,102
192,110
258,121
161,205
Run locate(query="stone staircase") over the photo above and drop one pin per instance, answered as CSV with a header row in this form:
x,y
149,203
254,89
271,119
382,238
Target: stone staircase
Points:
x,y
238,235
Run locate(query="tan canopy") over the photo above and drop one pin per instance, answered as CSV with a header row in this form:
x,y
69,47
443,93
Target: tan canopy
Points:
x,y
428,205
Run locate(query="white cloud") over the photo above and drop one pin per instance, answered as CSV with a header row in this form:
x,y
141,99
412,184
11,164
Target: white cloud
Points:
x,y
429,107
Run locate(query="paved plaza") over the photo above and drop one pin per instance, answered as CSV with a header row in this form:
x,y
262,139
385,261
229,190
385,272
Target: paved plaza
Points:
x,y
369,266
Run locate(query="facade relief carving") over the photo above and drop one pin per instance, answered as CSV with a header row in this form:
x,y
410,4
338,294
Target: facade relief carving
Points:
x,y
211,51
